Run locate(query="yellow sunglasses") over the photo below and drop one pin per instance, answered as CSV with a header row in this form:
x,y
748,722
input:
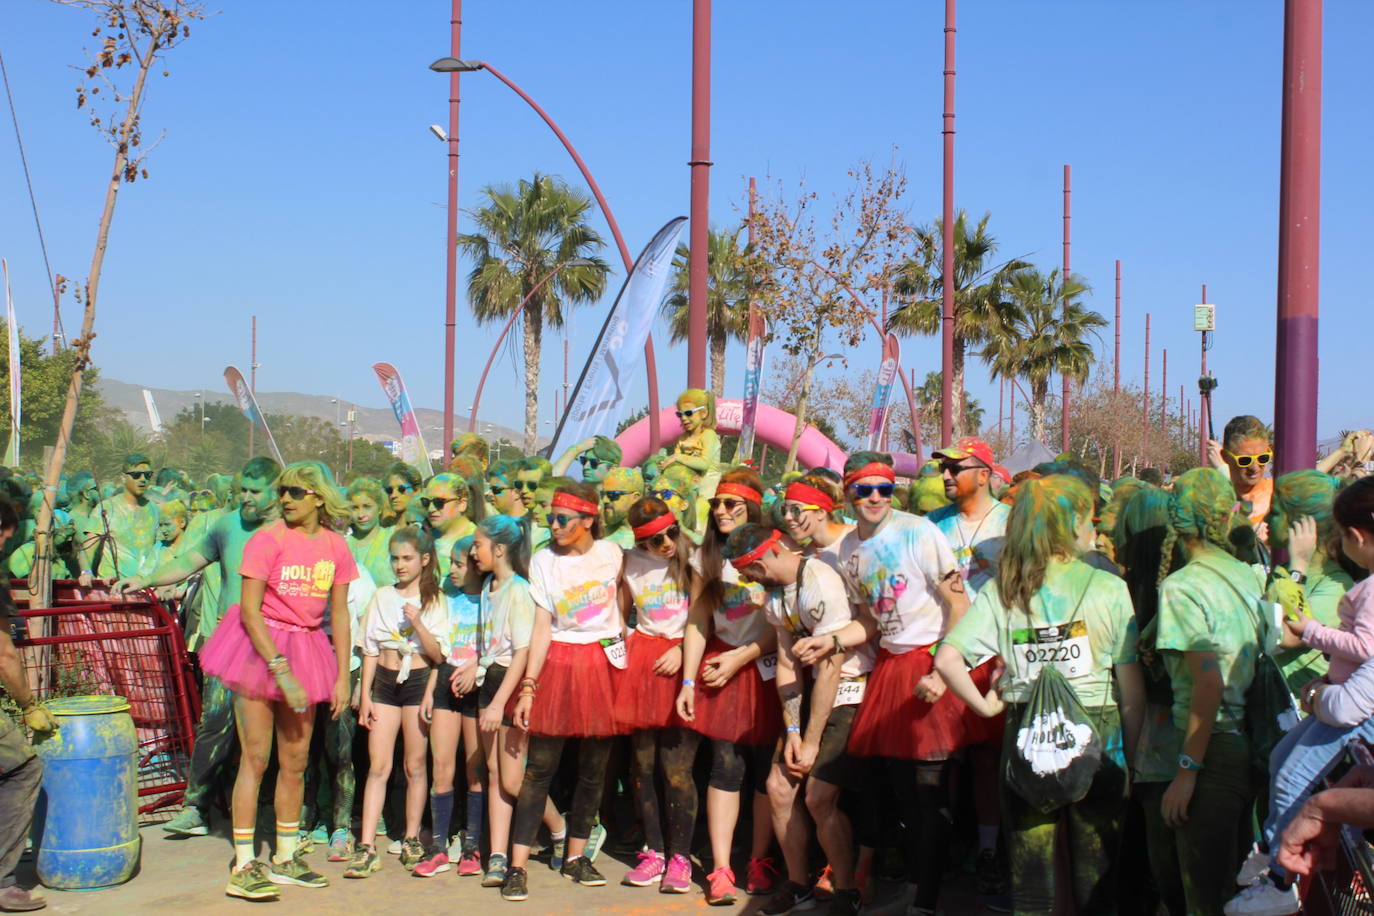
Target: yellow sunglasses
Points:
x,y
1244,461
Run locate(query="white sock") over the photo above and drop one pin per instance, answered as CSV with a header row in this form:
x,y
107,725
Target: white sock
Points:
x,y
987,837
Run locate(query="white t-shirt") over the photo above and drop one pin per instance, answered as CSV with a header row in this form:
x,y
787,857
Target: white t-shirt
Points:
x,y
660,605
823,607
739,620
976,545
899,571
507,620
579,591
385,627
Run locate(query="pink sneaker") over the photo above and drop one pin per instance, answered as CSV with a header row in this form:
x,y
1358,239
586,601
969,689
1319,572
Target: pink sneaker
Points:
x,y
761,877
648,870
470,864
721,887
434,862
678,878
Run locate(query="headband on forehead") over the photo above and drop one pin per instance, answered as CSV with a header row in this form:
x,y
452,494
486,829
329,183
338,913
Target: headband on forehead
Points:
x,y
805,493
741,562
563,500
742,491
872,469
654,526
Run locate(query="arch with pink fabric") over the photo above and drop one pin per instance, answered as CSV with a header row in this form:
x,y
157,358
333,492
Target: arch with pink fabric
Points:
x,y
771,425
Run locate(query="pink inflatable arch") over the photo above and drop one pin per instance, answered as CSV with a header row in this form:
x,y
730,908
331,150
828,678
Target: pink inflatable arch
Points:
x,y
771,425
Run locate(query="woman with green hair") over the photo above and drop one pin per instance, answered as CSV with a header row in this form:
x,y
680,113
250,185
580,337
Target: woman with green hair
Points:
x,y
446,502
698,450
368,540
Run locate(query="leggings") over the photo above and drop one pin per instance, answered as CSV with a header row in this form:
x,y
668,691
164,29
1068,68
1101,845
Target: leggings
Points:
x,y
671,751
729,760
544,754
922,789
217,742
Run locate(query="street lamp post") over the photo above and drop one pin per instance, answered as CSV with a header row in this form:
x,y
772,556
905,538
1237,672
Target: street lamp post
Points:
x,y
453,65
451,255
700,165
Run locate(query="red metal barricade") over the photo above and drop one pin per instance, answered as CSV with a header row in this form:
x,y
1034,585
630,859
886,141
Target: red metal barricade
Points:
x,y
132,649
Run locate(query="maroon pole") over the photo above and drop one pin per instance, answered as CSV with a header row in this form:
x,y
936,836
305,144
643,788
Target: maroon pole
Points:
x,y
451,252
947,242
1068,384
253,378
700,164
1164,392
1145,419
1202,435
1116,368
1296,365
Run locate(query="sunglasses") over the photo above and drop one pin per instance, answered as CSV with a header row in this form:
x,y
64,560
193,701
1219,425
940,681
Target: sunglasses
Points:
x,y
611,496
1244,461
403,488
865,490
684,414
729,504
795,510
140,475
954,468
592,461
437,503
529,486
296,493
559,520
664,495
497,491
662,539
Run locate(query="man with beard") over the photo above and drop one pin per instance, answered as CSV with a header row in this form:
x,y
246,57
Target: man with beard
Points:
x,y
131,540
621,489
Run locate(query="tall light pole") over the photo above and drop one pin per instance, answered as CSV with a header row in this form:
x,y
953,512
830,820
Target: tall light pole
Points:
x,y
451,254
947,242
253,379
700,165
1068,383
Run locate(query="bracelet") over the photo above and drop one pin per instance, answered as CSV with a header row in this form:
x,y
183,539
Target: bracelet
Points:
x,y
791,729
279,665
688,682
530,681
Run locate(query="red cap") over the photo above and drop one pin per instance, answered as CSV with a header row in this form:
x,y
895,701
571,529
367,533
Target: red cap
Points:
x,y
973,447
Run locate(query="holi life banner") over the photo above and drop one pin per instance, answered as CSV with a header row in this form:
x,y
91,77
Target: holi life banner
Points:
x,y
248,406
754,351
882,394
16,385
598,400
413,451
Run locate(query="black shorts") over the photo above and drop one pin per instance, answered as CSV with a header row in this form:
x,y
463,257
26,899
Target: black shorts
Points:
x,y
487,692
446,699
410,692
833,763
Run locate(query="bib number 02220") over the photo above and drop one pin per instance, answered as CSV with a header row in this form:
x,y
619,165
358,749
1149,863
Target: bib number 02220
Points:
x,y
1064,647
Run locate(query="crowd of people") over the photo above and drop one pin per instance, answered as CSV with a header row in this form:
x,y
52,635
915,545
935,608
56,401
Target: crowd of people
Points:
x,y
516,643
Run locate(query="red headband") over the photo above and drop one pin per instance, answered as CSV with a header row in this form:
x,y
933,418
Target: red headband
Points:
x,y
805,493
752,556
741,490
655,525
563,500
872,469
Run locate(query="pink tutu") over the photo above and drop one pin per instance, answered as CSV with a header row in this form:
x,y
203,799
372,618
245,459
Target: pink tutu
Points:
x,y
229,655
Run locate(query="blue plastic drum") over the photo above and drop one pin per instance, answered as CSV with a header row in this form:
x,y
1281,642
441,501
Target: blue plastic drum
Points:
x,y
87,819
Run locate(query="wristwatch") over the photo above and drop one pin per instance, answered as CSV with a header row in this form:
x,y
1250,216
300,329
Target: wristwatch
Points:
x,y
1188,763
1298,577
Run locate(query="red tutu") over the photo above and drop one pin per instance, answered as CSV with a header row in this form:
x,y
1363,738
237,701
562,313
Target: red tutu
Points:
x,y
229,655
744,711
893,722
977,729
576,694
645,699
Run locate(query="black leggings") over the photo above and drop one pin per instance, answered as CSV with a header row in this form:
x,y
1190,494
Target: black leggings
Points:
x,y
544,754
729,760
922,789
673,751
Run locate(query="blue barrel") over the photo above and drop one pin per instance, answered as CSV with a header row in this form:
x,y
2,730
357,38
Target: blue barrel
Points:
x,y
88,811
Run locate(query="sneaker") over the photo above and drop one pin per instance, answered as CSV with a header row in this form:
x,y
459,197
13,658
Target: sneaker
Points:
x,y
515,887
295,872
1254,867
863,880
595,840
720,890
365,862
394,847
988,874
846,903
341,845
761,877
998,903
470,864
678,877
497,864
824,884
580,871
434,862
412,852
651,866
15,899
556,850
251,883
190,822
305,842
1264,898
320,835
791,897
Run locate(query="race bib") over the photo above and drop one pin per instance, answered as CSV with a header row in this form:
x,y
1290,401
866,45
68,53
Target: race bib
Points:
x,y
1063,647
615,651
767,665
851,691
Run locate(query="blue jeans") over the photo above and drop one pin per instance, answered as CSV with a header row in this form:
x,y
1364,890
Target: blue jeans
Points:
x,y
1297,766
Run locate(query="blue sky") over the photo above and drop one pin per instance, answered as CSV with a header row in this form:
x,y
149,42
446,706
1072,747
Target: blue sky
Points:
x,y
298,180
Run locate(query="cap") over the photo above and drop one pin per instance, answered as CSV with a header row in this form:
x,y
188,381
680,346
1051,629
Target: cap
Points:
x,y
973,447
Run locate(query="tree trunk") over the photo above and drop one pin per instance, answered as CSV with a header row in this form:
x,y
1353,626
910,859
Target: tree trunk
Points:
x,y
718,363
40,577
800,426
534,335
960,396
1040,390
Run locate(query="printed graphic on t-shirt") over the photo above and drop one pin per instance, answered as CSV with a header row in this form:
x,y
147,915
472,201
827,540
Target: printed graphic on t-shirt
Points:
x,y
659,601
741,599
586,602
301,581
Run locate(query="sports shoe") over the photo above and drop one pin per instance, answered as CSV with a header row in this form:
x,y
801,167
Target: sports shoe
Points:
x,y
515,887
988,874
434,862
580,871
365,862
791,897
824,884
497,864
305,842
761,876
1254,866
412,851
1264,898
14,899
863,880
846,903
320,835
251,883
393,848
295,872
595,840
470,864
720,890
556,850
190,822
341,844
651,866
678,878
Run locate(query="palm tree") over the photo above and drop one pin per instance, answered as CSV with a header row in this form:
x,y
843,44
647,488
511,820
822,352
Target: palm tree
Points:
x,y
928,398
727,299
1047,337
981,305
522,235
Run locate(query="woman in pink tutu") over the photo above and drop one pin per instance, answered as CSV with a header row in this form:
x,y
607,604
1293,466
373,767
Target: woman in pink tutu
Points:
x,y
567,691
659,585
272,652
736,704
